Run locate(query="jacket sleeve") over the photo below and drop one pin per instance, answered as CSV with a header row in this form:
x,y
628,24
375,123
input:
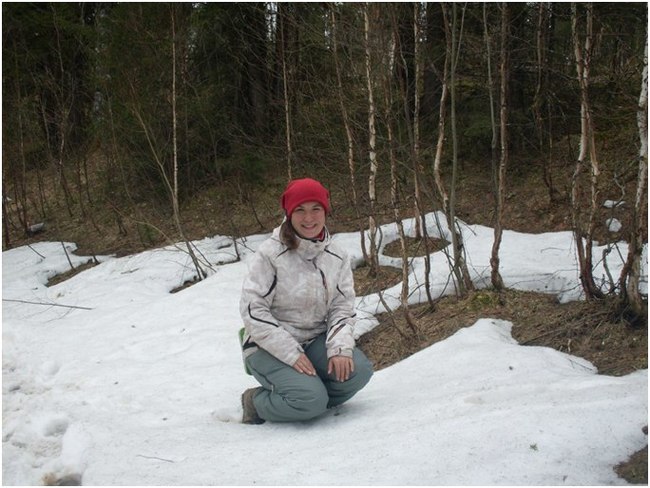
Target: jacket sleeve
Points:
x,y
255,307
341,317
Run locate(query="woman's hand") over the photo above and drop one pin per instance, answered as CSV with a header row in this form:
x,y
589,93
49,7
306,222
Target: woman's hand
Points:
x,y
342,366
303,365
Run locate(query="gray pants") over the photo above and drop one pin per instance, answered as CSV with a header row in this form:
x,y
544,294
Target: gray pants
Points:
x,y
290,396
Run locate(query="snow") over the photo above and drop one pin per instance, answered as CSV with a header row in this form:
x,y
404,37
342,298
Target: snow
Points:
x,y
613,225
613,203
110,379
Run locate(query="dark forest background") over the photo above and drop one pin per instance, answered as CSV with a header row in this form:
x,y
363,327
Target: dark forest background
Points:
x,y
130,124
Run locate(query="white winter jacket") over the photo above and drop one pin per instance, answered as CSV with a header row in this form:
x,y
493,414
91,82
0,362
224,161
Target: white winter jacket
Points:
x,y
291,296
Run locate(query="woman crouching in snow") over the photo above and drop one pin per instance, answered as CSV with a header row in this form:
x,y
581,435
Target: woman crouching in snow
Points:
x,y
297,305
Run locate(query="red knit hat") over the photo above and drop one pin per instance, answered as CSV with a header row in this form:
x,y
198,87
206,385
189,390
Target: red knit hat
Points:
x,y
304,190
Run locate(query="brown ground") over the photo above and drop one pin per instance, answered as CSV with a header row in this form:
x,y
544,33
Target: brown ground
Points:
x,y
592,330
587,329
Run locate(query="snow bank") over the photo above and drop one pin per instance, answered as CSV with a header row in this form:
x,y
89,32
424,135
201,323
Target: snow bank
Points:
x,y
109,379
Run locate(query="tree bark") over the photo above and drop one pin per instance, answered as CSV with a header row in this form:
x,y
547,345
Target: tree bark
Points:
x,y
587,148
287,106
541,97
463,280
493,123
442,116
394,196
499,190
174,190
372,151
418,170
348,134
631,273
20,181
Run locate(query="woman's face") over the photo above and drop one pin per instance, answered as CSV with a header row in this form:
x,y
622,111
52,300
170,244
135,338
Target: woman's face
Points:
x,y
308,219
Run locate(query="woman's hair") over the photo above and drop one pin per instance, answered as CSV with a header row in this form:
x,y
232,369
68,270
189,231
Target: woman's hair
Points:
x,y
288,235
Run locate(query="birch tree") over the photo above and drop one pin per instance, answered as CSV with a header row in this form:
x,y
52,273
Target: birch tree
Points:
x,y
461,273
285,91
631,273
541,98
587,150
348,131
175,206
418,167
442,117
171,185
417,95
372,148
394,186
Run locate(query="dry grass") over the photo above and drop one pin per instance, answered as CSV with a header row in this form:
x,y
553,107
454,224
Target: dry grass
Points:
x,y
635,470
588,330
61,277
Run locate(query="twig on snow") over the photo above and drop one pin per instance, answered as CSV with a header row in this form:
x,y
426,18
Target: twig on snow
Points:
x,y
46,303
155,457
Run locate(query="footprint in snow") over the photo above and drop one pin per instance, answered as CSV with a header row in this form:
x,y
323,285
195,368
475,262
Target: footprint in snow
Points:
x,y
54,425
68,468
235,414
228,414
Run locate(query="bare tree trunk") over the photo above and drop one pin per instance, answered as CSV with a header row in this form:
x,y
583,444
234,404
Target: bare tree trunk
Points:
x,y
20,183
587,146
417,164
65,251
394,191
404,294
418,167
451,218
348,135
5,221
631,273
287,107
174,121
493,123
59,162
372,152
444,93
437,160
541,95
460,270
540,40
174,190
171,186
499,190
114,161
41,192
63,113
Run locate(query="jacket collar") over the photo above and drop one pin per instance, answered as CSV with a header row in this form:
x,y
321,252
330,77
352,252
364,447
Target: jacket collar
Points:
x,y
308,248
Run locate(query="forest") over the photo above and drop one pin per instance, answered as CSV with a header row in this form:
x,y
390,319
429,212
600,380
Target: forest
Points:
x,y
126,125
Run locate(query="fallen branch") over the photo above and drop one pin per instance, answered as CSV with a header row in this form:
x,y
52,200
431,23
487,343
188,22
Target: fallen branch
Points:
x,y
43,257
46,303
155,457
